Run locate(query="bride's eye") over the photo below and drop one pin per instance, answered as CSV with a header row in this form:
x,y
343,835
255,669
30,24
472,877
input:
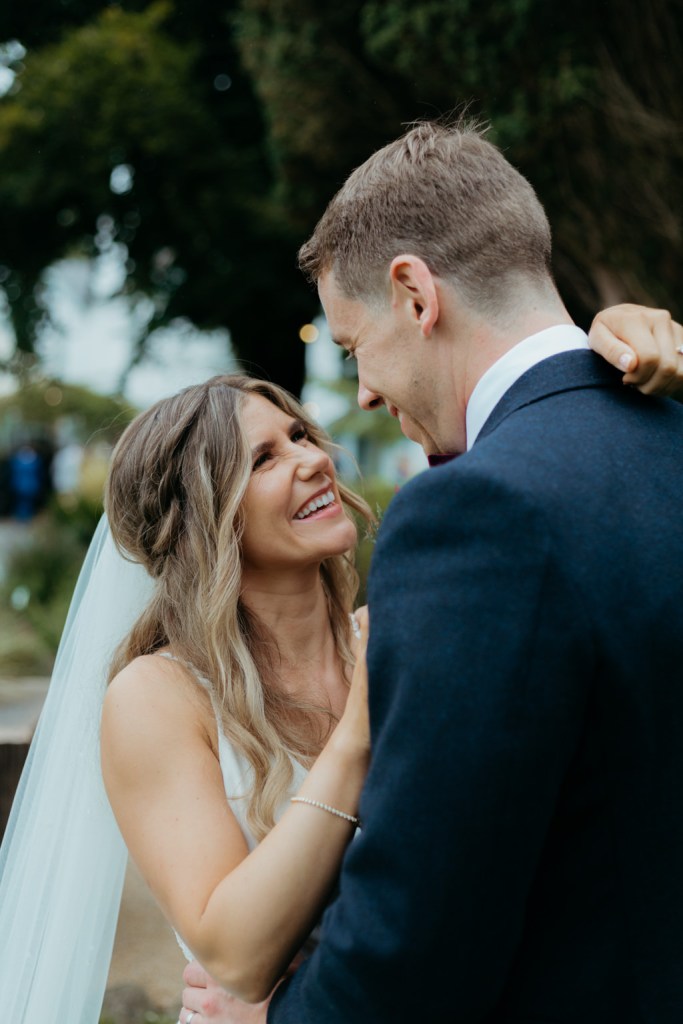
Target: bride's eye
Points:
x,y
301,434
260,461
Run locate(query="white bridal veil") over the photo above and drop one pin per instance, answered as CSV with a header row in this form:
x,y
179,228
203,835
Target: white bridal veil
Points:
x,y
63,859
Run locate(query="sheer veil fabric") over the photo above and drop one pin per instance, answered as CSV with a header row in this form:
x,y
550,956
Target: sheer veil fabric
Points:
x,y
62,861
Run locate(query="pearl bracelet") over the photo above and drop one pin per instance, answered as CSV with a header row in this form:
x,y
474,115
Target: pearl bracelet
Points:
x,y
326,807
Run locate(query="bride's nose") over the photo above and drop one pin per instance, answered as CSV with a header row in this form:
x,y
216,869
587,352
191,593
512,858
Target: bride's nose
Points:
x,y
312,460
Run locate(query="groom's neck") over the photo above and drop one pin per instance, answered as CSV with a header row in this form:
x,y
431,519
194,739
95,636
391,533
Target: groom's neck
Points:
x,y
472,341
486,339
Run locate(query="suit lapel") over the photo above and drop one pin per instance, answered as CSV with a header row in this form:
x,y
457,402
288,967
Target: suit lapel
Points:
x,y
566,372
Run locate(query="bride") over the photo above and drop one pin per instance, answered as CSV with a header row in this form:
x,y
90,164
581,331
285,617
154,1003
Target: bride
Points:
x,y
234,682
231,693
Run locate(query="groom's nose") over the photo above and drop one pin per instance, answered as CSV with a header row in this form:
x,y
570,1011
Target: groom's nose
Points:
x,y
368,399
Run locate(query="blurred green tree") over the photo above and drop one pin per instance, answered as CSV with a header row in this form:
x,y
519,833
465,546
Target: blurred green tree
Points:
x,y
586,99
136,129
228,126
43,403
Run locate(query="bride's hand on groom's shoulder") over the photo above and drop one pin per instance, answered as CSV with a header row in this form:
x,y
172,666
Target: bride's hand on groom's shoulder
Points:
x,y
647,344
205,1002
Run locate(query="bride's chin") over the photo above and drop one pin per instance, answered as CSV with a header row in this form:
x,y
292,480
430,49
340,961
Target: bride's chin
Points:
x,y
344,540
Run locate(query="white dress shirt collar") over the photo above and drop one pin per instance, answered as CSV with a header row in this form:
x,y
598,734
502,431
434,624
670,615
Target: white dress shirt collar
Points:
x,y
510,367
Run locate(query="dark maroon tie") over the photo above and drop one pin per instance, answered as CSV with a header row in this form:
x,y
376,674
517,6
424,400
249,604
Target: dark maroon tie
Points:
x,y
438,460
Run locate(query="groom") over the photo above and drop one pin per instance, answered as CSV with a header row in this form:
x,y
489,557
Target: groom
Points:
x,y
522,856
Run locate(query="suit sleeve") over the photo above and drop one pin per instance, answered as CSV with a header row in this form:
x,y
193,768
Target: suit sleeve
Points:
x,y
480,664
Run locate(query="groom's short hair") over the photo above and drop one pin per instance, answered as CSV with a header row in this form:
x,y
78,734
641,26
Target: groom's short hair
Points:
x,y
445,194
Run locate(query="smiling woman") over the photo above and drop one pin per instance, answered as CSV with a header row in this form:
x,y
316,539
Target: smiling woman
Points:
x,y
235,690
292,489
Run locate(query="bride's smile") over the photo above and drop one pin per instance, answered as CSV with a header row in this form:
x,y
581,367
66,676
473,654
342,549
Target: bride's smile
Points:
x,y
319,507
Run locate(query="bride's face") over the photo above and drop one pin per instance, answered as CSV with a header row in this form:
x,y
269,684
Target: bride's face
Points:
x,y
290,476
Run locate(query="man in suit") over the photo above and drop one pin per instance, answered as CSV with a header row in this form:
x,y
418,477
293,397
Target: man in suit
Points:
x,y
521,857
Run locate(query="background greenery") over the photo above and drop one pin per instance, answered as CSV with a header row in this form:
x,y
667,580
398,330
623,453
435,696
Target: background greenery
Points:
x,y
41,572
239,119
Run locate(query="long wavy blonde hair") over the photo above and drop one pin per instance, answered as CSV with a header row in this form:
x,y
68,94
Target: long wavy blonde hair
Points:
x,y
174,503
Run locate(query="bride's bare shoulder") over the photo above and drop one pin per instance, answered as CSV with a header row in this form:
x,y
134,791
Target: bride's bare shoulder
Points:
x,y
149,677
158,698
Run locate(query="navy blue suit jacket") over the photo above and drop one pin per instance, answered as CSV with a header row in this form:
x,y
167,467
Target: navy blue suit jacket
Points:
x,y
522,856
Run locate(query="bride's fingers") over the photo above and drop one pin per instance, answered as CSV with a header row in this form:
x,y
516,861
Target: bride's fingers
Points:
x,y
660,374
195,975
667,377
190,997
188,1016
360,626
359,681
634,339
362,635
653,354
355,720
606,343
363,622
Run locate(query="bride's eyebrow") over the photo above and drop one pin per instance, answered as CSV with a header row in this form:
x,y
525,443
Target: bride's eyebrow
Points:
x,y
267,446
261,449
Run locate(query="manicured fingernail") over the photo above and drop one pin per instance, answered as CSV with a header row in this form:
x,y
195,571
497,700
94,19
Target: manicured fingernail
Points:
x,y
625,361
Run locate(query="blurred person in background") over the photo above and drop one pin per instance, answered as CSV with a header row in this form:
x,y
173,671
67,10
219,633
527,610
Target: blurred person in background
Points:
x,y
5,485
27,481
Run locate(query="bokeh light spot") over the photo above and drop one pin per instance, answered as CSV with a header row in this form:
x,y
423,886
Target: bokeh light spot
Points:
x,y
66,217
309,333
52,395
222,83
121,179
19,598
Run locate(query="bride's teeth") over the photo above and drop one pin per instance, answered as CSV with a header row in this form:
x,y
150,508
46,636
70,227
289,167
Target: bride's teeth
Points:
x,y
315,504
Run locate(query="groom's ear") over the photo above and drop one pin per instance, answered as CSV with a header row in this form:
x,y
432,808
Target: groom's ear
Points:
x,y
414,292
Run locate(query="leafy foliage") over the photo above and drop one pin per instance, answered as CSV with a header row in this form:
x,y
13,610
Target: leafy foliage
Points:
x,y
35,593
326,106
43,568
237,121
43,402
585,99
130,90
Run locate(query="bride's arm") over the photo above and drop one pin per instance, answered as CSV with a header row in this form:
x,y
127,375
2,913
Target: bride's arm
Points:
x,y
244,915
645,343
